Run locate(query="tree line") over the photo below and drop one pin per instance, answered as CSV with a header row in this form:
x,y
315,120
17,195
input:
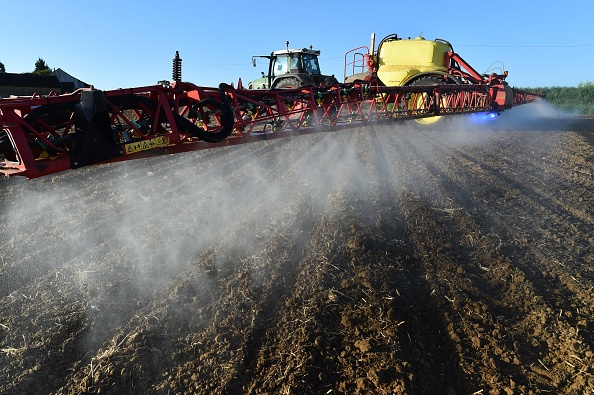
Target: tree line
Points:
x,y
41,67
575,99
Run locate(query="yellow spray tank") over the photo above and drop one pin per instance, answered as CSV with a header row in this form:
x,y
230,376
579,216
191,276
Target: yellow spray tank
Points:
x,y
401,62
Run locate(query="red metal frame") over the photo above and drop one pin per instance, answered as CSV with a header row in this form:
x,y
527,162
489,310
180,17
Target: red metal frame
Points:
x,y
156,120
524,97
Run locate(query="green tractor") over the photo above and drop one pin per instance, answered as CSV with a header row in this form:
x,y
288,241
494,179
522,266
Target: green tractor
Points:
x,y
291,68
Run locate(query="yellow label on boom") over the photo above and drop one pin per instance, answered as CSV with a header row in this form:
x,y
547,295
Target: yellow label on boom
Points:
x,y
146,144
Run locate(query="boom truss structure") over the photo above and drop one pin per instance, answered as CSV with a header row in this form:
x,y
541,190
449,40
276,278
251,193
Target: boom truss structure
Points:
x,y
42,135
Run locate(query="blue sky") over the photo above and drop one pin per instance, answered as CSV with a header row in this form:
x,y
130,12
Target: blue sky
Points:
x,y
128,43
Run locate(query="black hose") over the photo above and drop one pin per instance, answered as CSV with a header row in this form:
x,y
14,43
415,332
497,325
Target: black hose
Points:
x,y
227,118
185,125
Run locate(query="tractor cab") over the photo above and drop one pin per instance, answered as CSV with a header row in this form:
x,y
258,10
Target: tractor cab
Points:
x,y
291,68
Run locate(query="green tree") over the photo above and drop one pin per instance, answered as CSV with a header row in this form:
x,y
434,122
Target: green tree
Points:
x,y
41,67
578,99
2,69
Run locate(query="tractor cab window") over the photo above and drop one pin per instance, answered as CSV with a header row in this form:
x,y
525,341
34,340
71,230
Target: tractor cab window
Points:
x,y
280,66
295,66
310,64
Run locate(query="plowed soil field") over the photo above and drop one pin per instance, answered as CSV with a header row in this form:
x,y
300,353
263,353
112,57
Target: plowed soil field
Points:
x,y
453,259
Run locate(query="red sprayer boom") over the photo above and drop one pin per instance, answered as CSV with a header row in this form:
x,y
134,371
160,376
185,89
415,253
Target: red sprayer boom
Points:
x,y
41,135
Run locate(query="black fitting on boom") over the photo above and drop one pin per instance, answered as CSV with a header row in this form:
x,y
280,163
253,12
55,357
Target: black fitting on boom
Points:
x,y
177,67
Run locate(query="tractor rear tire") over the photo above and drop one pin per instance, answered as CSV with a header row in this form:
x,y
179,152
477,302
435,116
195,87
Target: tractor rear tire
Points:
x,y
331,80
288,83
429,80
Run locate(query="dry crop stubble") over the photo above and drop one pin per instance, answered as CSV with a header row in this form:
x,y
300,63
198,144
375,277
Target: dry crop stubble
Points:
x,y
370,261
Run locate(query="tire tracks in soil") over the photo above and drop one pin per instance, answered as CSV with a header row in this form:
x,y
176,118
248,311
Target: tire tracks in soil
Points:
x,y
365,261
531,277
225,247
100,249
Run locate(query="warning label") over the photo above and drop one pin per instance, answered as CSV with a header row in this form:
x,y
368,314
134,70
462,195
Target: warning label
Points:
x,y
146,144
